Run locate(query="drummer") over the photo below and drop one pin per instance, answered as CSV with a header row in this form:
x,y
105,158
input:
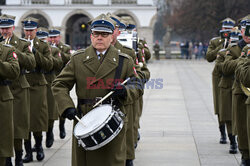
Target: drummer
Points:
x,y
91,70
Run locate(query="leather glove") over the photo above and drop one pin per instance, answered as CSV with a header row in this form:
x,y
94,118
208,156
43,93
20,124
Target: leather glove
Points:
x,y
69,113
119,91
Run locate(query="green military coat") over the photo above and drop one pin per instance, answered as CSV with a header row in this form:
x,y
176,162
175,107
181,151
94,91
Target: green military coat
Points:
x,y
20,88
145,49
65,52
238,97
214,46
243,74
84,65
9,70
50,76
225,89
129,108
38,89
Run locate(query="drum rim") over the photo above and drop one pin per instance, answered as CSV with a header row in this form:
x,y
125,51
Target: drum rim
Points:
x,y
118,130
97,128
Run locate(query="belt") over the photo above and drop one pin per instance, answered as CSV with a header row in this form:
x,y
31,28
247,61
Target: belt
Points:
x,y
92,101
5,82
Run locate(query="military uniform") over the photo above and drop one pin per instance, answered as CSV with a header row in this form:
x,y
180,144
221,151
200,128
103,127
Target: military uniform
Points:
x,y
9,70
157,50
65,52
145,49
38,91
86,64
65,55
238,97
243,74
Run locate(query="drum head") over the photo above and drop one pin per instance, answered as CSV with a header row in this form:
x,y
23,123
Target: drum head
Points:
x,y
93,119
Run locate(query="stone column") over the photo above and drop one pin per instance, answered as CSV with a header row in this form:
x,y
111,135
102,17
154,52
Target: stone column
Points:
x,y
147,33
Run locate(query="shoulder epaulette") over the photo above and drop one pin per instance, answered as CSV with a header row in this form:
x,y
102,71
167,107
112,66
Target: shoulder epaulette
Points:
x,y
78,52
221,50
42,41
232,44
23,39
124,55
66,45
7,45
127,47
214,38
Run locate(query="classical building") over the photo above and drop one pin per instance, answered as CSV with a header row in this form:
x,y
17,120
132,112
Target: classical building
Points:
x,y
73,16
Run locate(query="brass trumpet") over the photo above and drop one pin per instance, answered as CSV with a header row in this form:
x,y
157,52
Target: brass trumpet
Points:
x,y
7,40
246,90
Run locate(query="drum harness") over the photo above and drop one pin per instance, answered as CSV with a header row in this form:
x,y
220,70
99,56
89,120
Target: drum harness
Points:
x,y
95,100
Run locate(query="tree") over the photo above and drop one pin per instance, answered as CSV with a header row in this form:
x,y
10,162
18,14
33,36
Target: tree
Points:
x,y
200,19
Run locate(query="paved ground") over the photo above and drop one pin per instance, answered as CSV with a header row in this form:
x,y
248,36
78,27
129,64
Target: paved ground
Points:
x,y
178,127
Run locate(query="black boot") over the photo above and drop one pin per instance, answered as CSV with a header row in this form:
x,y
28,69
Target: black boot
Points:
x,y
19,160
49,138
39,148
28,157
62,129
247,162
233,144
129,162
8,161
243,162
223,139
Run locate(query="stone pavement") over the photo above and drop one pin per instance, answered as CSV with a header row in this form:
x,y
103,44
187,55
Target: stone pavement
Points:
x,y
178,126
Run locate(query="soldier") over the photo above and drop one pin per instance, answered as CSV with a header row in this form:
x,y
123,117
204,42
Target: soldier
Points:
x,y
9,70
54,38
215,45
225,91
157,50
238,96
42,34
145,49
243,74
19,87
129,107
38,89
100,60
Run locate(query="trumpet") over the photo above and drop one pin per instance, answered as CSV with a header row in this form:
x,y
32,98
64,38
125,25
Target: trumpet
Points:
x,y
7,40
246,90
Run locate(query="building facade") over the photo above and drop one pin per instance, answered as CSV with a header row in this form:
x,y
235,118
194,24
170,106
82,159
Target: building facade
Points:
x,y
73,16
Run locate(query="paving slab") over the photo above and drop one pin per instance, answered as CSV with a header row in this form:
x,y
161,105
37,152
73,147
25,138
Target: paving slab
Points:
x,y
178,125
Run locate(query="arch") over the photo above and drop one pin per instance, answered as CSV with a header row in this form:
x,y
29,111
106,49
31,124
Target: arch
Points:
x,y
77,31
35,11
74,12
153,21
128,13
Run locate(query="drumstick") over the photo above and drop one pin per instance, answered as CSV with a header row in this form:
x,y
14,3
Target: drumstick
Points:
x,y
110,93
79,120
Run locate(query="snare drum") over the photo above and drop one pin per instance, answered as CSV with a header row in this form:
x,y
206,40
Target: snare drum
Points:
x,y
101,125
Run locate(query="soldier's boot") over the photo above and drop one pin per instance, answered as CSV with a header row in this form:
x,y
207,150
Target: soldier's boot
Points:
x,y
223,139
49,138
247,162
62,129
129,162
233,144
19,160
8,161
28,157
243,162
39,148
138,136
